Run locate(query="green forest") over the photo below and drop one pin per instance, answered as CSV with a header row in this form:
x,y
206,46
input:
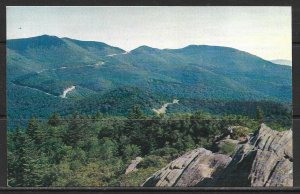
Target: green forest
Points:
x,y
96,149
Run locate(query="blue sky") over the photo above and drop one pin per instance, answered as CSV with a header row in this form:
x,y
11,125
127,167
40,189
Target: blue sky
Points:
x,y
263,31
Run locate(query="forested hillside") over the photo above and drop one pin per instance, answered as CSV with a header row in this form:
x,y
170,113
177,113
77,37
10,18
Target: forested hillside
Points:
x,y
95,150
111,80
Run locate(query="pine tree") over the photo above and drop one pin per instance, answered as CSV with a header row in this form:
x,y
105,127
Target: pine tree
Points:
x,y
32,128
135,127
259,114
73,132
26,168
136,113
17,166
35,131
78,130
54,120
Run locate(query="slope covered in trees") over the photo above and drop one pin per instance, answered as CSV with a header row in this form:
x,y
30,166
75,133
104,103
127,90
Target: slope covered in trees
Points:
x,y
203,77
95,150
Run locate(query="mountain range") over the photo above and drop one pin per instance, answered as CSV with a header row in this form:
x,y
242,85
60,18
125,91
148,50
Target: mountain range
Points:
x,y
109,79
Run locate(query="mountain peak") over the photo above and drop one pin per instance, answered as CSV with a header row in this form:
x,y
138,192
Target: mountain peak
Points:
x,y
45,36
144,48
44,41
204,46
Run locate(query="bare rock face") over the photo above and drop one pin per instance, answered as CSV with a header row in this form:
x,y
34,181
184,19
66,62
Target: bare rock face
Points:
x,y
189,169
133,165
264,160
273,164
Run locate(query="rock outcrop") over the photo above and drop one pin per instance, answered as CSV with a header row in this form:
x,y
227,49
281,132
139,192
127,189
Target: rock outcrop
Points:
x,y
189,169
266,159
133,165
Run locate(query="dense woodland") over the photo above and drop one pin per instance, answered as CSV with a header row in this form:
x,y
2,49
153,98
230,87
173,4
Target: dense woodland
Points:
x,y
95,150
23,105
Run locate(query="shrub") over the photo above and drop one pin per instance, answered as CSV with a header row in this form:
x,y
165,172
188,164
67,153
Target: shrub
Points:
x,y
152,161
227,148
166,152
239,131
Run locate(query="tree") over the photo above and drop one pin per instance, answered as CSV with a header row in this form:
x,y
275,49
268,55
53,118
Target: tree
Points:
x,y
27,167
17,165
136,113
34,131
108,148
77,131
259,114
136,129
131,151
54,120
97,116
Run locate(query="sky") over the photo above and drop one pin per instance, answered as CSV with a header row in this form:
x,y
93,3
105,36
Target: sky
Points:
x,y
262,31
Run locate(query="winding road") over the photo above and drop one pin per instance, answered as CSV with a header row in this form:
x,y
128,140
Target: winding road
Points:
x,y
67,90
164,107
71,88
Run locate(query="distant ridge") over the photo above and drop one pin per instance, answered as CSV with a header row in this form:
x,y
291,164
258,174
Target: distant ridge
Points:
x,y
211,72
143,48
282,62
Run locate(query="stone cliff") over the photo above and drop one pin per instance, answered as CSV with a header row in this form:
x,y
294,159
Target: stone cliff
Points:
x,y
266,159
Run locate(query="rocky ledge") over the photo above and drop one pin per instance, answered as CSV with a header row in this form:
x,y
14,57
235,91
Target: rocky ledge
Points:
x,y
266,159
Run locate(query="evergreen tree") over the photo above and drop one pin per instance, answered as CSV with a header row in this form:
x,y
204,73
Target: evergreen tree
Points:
x,y
131,151
36,132
136,130
28,168
78,131
18,165
136,113
259,114
32,129
54,120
